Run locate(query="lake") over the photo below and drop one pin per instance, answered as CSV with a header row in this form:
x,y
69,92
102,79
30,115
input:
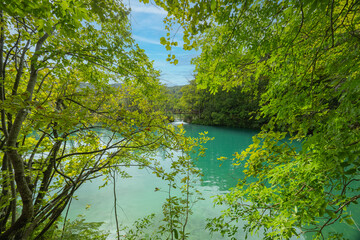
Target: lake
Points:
x,y
137,198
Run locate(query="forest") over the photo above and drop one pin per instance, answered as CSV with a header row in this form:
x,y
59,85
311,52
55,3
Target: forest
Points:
x,y
71,71
234,108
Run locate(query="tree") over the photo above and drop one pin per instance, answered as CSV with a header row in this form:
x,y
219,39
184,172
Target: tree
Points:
x,y
62,123
234,107
309,51
191,101
172,96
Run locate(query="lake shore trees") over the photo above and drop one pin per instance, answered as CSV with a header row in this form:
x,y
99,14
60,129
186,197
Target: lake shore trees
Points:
x,y
232,108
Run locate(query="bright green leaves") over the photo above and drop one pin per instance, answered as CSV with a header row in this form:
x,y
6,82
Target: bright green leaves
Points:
x,y
168,45
309,55
81,100
65,15
163,40
213,4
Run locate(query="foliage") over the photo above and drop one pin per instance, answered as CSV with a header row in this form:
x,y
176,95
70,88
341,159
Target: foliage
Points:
x,y
234,108
171,101
139,230
62,121
78,229
177,208
181,195
309,52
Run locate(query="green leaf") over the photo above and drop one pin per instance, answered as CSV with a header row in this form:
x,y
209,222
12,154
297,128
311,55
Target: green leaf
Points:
x,y
213,5
163,40
350,221
176,233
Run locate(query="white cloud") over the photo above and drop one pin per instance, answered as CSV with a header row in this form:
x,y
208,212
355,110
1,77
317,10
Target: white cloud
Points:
x,y
146,40
147,23
137,7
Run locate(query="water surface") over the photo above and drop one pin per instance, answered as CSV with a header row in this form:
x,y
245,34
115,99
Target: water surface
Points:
x,y
137,198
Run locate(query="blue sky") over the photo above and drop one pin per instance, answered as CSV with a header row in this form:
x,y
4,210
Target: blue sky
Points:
x,y
148,27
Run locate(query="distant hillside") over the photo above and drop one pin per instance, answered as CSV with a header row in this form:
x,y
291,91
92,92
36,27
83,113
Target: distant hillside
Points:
x,y
175,91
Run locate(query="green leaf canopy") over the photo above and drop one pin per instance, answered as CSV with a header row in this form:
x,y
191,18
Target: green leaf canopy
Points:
x,y
309,52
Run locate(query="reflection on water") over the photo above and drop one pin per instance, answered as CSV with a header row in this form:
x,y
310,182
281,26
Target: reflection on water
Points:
x,y
137,198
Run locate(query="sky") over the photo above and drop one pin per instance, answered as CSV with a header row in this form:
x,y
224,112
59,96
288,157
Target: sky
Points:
x,y
147,28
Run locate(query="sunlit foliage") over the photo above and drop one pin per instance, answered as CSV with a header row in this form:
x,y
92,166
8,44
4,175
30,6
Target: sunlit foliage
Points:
x,y
309,52
64,121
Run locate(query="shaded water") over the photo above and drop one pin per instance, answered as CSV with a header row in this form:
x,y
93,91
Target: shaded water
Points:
x,y
137,198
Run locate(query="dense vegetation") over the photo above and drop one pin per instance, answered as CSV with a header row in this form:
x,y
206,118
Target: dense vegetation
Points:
x,y
172,96
310,53
235,108
79,100
59,58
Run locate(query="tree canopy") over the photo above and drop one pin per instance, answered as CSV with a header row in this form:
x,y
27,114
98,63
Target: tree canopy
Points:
x,y
309,52
63,121
235,108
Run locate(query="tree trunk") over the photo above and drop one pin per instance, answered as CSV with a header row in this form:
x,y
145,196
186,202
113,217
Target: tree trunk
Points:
x,y
22,184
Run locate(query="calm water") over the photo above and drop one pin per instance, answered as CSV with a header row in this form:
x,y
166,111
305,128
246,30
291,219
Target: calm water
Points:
x,y
136,197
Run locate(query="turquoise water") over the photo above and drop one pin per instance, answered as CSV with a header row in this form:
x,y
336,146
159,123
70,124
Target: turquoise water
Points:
x,y
137,198
226,142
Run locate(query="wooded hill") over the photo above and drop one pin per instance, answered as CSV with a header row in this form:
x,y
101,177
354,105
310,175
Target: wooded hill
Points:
x,y
235,107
